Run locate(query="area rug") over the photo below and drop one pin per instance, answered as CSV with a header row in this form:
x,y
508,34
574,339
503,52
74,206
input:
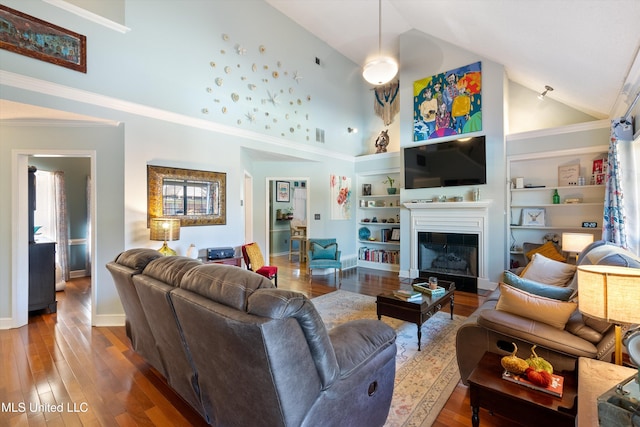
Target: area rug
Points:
x,y
424,379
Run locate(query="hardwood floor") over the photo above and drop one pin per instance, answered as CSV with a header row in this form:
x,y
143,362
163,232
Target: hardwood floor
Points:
x,y
59,371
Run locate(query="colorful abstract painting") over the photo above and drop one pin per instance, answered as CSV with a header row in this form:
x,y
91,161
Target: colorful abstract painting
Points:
x,y
448,103
340,197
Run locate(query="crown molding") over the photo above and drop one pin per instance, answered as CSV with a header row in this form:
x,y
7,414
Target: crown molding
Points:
x,y
32,84
89,16
580,127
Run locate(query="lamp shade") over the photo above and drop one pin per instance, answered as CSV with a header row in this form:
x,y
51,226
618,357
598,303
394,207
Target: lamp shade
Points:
x,y
165,229
576,242
380,70
609,292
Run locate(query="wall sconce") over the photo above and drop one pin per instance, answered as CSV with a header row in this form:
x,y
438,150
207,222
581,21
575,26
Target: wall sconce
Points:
x,y
547,88
352,130
163,230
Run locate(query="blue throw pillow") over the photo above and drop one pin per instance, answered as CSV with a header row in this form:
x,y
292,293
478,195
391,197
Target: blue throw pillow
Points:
x,y
549,291
324,252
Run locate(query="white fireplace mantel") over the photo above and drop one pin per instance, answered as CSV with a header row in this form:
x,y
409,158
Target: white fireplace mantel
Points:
x,y
452,217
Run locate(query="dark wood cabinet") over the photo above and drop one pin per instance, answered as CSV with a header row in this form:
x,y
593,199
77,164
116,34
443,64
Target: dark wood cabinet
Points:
x,y
42,276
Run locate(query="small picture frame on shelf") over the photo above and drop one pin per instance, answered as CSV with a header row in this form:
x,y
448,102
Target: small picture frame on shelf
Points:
x,y
533,217
568,174
372,204
366,189
395,235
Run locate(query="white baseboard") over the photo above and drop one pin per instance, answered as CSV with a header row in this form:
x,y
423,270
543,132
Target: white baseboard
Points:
x,y
74,274
109,320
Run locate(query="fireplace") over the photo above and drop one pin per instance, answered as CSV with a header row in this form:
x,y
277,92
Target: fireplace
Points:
x,y
449,256
455,236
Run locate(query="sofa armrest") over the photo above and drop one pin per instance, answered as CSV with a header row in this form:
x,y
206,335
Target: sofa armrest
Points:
x,y
543,335
358,341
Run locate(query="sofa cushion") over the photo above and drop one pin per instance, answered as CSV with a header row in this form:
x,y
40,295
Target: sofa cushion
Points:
x,y
324,252
547,271
137,259
548,250
225,284
537,288
546,310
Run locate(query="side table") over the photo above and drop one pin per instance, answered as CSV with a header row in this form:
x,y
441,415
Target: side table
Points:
x,y
528,407
596,377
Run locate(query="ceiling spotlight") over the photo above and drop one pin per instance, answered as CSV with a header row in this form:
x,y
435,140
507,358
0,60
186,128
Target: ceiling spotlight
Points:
x,y
352,130
547,88
382,69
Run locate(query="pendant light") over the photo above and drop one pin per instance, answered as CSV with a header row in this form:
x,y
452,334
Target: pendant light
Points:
x,y
382,69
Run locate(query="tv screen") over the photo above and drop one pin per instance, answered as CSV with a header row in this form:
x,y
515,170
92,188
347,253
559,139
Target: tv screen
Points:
x,y
446,164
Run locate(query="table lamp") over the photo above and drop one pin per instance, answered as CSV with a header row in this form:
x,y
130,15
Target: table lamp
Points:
x,y
576,242
165,229
610,293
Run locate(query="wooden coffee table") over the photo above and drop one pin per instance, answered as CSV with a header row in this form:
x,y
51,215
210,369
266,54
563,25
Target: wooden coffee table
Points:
x,y
528,407
415,312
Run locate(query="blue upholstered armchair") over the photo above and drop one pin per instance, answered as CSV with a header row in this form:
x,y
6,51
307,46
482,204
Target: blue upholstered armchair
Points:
x,y
324,253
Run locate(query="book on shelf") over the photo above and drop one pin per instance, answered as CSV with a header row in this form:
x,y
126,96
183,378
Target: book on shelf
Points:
x,y
555,388
424,289
411,296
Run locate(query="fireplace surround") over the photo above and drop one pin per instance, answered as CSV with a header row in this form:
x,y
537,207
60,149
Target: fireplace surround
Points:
x,y
465,226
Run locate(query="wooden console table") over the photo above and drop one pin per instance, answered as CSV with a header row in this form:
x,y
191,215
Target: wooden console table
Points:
x,y
237,261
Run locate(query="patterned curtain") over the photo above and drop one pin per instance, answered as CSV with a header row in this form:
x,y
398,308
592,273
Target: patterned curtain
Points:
x,y
613,226
62,221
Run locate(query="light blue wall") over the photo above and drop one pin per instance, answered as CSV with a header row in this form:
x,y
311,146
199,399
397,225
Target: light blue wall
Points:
x,y
153,80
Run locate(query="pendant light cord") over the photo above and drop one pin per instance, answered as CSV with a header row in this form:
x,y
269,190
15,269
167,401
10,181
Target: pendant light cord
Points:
x,y
379,27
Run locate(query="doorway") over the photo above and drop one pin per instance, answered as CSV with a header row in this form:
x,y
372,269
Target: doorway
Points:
x,y
282,207
20,245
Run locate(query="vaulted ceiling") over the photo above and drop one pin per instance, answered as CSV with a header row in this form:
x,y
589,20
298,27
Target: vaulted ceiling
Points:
x,y
584,49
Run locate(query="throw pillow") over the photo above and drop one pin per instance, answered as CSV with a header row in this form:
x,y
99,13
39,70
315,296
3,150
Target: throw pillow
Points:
x,y
536,288
324,252
549,250
255,256
545,310
544,270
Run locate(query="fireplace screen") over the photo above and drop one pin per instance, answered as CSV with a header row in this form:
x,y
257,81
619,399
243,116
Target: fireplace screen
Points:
x,y
448,253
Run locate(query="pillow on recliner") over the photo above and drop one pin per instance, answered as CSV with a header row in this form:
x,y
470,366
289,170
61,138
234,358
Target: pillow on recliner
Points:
x,y
544,270
537,288
549,250
324,252
545,310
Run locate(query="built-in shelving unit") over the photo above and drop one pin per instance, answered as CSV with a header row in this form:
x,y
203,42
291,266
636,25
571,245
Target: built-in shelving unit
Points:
x,y
378,215
539,173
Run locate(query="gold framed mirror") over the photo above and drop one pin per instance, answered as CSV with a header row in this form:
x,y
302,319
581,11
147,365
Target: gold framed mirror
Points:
x,y
194,197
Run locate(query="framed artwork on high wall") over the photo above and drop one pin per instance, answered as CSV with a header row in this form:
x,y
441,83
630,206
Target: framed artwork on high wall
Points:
x,y
33,37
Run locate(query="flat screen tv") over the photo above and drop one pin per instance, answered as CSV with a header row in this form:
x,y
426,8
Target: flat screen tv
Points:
x,y
446,164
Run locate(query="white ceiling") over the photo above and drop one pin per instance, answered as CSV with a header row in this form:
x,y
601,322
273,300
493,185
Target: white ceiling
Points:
x,y
584,49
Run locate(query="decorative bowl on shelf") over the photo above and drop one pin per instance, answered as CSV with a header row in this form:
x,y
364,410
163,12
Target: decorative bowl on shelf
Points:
x,y
364,233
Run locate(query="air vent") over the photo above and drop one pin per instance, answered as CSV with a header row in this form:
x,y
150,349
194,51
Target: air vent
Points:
x,y
320,135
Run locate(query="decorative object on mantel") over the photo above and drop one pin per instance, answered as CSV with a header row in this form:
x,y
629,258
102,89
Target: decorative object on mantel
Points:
x,y
33,37
382,141
387,104
458,103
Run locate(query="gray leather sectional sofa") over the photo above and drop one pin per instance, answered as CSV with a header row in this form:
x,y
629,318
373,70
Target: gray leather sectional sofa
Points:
x,y
488,329
242,352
